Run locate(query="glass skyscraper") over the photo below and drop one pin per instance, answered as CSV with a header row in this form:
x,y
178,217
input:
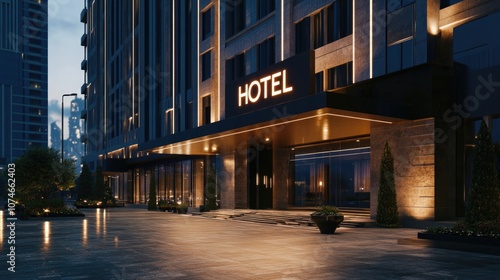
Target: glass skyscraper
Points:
x,y
23,77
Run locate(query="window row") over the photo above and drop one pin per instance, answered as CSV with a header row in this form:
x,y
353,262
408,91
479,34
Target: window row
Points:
x,y
330,24
338,76
236,14
258,57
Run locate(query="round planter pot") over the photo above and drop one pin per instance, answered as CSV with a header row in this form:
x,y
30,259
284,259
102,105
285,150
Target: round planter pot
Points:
x,y
327,224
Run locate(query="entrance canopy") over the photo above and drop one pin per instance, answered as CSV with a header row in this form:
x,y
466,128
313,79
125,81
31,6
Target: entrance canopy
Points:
x,y
312,119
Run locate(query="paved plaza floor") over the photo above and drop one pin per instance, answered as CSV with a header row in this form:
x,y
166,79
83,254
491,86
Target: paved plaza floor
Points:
x,y
131,243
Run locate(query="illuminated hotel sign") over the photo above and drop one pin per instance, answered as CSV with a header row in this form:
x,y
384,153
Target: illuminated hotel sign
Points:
x,y
278,83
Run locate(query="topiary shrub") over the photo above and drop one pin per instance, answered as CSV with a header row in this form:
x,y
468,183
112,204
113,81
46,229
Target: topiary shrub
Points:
x,y
387,209
152,193
483,201
84,183
210,189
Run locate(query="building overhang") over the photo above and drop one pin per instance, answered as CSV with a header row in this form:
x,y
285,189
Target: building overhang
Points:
x,y
316,118
339,114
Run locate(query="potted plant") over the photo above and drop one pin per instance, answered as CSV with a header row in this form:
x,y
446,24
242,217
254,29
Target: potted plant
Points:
x,y
182,208
163,205
171,206
327,218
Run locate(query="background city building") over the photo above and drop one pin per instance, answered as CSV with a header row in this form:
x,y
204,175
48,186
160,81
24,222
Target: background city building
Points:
x,y
73,146
289,103
55,136
23,77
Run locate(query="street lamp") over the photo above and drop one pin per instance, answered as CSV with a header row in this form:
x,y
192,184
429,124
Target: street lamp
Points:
x,y
62,122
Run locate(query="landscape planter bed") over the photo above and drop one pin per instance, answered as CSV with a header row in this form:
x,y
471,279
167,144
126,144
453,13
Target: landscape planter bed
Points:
x,y
480,240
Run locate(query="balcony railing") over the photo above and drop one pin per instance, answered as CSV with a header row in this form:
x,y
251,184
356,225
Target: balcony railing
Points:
x,y
84,89
83,65
83,114
83,40
83,16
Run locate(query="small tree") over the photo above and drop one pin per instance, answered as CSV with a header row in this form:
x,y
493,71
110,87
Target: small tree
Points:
x,y
84,184
210,198
99,185
152,193
387,208
109,199
40,174
483,202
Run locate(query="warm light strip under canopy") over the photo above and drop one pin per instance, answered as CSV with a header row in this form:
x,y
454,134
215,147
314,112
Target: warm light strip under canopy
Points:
x,y
269,126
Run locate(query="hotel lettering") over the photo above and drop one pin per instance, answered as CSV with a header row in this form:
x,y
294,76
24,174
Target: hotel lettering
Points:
x,y
268,86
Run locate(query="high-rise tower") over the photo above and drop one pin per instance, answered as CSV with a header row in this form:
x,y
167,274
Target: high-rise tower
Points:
x,y
23,77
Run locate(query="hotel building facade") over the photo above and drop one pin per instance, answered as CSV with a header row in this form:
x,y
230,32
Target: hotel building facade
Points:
x,y
288,104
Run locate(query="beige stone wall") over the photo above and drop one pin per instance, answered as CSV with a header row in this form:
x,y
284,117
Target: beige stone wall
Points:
x,y
412,145
240,180
226,180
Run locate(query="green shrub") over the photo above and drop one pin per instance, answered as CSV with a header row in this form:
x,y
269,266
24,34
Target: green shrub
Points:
x,y
387,208
489,229
83,203
210,189
327,210
483,202
54,207
163,205
152,193
182,208
40,204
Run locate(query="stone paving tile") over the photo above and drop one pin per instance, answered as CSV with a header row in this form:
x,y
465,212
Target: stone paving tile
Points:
x,y
132,243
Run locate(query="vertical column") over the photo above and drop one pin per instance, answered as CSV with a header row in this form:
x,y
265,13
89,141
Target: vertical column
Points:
x,y
379,42
225,180
281,155
240,179
361,48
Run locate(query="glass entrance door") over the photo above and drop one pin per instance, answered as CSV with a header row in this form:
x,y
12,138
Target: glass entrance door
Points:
x,y
260,172
334,174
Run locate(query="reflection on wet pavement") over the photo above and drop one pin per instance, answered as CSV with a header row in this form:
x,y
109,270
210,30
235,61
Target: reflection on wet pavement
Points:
x,y
129,243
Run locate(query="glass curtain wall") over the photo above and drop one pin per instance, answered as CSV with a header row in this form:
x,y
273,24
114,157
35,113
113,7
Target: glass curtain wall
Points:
x,y
334,174
179,182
